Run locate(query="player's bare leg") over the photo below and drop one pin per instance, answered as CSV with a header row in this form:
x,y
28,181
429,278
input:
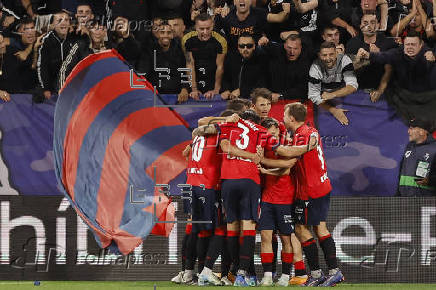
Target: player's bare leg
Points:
x,y
311,251
329,249
287,258
300,269
267,257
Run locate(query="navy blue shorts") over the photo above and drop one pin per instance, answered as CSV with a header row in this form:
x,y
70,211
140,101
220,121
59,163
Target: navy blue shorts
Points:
x,y
204,205
276,217
313,211
241,199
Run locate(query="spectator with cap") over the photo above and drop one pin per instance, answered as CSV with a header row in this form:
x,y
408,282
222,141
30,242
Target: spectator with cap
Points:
x,y
54,48
331,76
245,71
17,75
418,167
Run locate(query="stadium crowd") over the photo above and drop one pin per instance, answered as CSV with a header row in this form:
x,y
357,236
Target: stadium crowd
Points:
x,y
230,48
251,53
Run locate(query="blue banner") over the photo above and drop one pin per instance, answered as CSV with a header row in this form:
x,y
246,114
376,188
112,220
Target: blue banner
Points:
x,y
363,158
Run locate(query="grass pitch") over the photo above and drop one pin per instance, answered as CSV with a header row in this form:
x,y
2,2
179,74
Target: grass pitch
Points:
x,y
109,285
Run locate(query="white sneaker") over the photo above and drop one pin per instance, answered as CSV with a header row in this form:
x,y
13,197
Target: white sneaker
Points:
x,y
226,281
283,281
178,279
266,281
187,279
204,280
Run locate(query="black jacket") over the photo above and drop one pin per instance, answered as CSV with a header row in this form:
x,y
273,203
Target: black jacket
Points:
x,y
245,74
163,74
289,78
52,53
418,157
416,75
17,76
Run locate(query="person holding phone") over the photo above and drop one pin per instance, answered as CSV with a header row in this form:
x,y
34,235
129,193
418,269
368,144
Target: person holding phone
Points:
x,y
418,167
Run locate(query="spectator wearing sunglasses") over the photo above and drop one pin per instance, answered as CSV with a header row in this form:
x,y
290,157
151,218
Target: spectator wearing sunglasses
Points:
x,y
244,71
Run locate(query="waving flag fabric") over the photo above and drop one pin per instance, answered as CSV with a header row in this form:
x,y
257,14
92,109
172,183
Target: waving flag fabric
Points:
x,y
108,137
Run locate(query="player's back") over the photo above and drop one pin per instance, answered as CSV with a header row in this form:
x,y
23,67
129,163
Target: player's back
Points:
x,y
245,135
204,162
311,169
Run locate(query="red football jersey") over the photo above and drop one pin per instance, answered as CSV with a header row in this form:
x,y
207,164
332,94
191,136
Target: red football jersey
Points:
x,y
245,135
311,169
204,162
278,189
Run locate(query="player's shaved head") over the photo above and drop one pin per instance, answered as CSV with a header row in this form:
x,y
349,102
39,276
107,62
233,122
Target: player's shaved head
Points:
x,y
297,110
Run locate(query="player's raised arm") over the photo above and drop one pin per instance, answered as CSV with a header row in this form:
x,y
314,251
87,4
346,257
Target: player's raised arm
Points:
x,y
215,120
204,130
295,151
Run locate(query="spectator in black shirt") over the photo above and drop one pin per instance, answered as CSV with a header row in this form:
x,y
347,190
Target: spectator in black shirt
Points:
x,y
413,64
289,69
374,77
244,18
84,15
417,21
169,57
177,25
338,12
205,52
17,74
245,71
121,39
303,17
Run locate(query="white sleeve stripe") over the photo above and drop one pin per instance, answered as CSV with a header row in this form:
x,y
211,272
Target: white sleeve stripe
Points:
x,y
38,64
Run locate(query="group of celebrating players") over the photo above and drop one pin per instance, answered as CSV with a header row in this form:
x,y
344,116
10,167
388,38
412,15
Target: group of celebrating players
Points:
x,y
248,174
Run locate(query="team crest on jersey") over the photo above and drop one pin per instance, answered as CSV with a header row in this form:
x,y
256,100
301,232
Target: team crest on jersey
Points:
x,y
203,199
426,156
407,154
288,219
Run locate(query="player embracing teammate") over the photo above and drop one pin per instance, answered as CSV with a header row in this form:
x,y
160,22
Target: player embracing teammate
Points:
x,y
290,194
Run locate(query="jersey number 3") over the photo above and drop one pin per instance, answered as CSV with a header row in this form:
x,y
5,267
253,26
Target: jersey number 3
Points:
x,y
244,139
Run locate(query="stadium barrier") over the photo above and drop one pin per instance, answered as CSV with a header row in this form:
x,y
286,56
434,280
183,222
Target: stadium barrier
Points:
x,y
377,240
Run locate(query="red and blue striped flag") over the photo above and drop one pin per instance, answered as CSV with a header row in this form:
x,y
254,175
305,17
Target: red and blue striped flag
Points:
x,y
108,137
